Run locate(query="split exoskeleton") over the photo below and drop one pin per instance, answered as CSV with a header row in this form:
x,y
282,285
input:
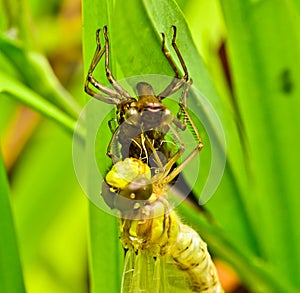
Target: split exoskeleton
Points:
x,y
144,121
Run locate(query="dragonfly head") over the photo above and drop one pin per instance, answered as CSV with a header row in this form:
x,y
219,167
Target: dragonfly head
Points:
x,y
127,185
132,196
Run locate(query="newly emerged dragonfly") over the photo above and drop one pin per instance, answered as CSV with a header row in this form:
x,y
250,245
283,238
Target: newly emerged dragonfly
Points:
x,y
143,121
162,253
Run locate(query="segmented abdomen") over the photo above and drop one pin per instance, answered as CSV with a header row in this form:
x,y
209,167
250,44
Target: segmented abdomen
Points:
x,y
191,255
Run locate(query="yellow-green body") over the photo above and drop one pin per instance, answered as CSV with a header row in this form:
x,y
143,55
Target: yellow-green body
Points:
x,y
158,235
162,254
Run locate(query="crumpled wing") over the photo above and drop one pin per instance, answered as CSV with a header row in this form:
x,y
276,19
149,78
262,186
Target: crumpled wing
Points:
x,y
144,273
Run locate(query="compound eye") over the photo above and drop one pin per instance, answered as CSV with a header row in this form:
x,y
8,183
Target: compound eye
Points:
x,y
140,188
168,116
131,112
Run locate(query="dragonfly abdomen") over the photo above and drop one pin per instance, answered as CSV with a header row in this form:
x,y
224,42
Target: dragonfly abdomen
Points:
x,y
191,255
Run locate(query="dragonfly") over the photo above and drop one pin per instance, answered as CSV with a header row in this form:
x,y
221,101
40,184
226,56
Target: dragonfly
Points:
x,y
162,253
159,247
143,121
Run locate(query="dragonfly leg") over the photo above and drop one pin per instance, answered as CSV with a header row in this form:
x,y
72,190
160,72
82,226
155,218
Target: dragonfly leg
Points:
x,y
183,105
113,96
194,153
109,75
176,83
109,153
173,159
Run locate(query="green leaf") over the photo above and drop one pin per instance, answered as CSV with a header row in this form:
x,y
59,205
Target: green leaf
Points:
x,y
30,98
264,44
35,72
50,214
11,279
105,248
106,254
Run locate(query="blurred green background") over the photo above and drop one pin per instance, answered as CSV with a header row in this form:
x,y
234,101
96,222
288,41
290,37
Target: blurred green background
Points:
x,y
242,55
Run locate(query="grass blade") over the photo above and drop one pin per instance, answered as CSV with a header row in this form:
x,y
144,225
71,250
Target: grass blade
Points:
x,y
30,98
11,279
105,248
264,44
